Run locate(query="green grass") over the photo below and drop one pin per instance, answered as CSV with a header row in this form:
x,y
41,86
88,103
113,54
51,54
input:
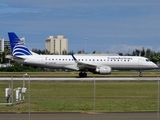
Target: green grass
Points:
x,y
77,96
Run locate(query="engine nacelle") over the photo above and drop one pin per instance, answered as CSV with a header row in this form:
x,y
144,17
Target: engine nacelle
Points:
x,y
103,70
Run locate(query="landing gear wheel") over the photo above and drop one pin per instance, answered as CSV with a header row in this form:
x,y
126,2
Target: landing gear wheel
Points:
x,y
85,74
81,74
140,73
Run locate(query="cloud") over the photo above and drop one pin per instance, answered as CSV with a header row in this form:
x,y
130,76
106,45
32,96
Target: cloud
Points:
x,y
124,48
9,10
81,3
128,23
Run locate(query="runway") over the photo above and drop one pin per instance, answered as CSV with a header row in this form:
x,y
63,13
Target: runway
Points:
x,y
82,116
81,79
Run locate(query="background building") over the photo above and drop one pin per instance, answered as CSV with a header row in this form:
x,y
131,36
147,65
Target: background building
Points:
x,y
58,45
1,44
5,44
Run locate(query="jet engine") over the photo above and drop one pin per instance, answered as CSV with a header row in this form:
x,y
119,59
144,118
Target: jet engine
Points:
x,y
103,70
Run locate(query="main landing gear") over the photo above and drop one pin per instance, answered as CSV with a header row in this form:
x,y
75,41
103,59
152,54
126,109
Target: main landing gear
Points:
x,y
82,74
140,73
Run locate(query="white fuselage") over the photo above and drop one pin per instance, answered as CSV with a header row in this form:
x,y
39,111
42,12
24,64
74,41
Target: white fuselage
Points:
x,y
95,63
67,62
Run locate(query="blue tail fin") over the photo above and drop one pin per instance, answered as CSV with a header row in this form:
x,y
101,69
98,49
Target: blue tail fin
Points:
x,y
17,46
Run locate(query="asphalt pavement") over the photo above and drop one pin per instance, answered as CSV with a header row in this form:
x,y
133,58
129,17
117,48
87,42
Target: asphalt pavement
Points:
x,y
80,116
81,79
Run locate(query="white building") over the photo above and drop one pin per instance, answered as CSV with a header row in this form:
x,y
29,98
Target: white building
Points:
x,y
6,43
1,44
58,45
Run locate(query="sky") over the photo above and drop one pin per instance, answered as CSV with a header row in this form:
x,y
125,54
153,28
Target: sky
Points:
x,y
108,26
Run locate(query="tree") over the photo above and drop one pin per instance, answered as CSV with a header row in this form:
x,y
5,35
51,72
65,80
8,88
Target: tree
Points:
x,y
71,52
148,53
1,57
42,52
47,52
3,54
81,52
121,54
64,52
143,52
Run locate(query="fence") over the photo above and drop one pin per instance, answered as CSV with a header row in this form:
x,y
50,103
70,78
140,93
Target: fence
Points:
x,y
93,96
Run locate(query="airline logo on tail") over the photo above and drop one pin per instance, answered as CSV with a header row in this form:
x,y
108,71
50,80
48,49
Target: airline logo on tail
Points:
x,y
17,46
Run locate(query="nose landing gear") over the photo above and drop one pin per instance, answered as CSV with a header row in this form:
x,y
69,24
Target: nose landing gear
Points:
x,y
140,73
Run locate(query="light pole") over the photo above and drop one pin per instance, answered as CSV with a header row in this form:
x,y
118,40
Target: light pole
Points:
x,y
24,75
85,45
23,88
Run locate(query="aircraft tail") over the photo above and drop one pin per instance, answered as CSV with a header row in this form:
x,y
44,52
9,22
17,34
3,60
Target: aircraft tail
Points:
x,y
17,46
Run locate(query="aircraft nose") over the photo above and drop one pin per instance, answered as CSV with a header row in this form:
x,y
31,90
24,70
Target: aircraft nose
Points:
x,y
155,65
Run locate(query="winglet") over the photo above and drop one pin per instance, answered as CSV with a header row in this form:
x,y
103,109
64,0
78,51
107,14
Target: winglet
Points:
x,y
74,59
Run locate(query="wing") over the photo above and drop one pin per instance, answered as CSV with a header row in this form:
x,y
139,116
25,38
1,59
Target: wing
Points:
x,y
83,66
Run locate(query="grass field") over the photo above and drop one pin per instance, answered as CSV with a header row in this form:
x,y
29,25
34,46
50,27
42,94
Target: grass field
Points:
x,y
79,96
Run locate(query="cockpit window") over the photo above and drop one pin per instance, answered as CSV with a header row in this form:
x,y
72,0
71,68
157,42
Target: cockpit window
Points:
x,y
147,60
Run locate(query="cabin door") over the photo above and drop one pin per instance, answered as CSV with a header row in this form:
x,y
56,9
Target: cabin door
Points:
x,y
41,60
139,61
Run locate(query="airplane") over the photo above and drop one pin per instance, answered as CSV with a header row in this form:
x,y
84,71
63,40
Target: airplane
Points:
x,y
95,63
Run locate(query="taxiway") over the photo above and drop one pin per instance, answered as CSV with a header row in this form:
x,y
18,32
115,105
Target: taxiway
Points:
x,y
81,79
